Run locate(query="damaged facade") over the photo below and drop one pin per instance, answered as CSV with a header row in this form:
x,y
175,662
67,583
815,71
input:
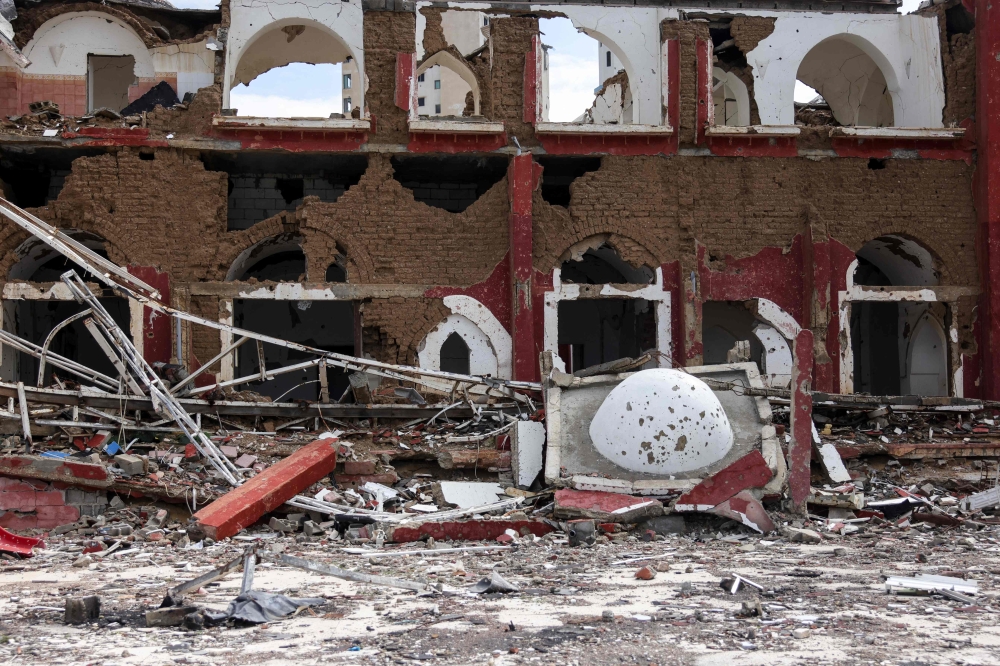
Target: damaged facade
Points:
x,y
695,217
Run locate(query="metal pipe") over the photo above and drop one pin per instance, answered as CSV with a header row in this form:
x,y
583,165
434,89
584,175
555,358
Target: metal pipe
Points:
x,y
48,340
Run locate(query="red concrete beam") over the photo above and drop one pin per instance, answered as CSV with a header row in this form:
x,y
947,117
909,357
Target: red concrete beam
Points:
x,y
750,471
800,448
243,506
56,469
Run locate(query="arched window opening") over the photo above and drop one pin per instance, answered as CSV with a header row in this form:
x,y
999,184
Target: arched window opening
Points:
x,y
34,320
37,262
602,265
278,259
732,334
839,83
446,88
297,70
583,80
337,271
898,345
732,102
455,355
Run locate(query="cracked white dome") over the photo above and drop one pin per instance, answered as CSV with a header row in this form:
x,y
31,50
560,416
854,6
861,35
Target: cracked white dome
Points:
x,y
662,422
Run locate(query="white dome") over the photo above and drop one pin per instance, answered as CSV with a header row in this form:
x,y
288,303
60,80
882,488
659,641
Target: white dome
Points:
x,y
662,421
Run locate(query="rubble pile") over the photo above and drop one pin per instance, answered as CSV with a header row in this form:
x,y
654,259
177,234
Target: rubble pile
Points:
x,y
161,515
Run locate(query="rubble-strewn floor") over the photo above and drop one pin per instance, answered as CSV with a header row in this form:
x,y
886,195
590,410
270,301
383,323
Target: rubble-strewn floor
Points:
x,y
682,616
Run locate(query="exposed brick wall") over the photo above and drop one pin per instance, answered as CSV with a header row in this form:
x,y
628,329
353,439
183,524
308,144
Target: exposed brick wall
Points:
x,y
196,119
255,197
205,342
386,35
511,43
958,62
394,327
739,206
748,31
687,33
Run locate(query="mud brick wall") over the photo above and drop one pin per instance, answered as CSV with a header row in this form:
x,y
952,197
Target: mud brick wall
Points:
x,y
394,327
687,33
386,34
391,238
738,206
958,61
511,43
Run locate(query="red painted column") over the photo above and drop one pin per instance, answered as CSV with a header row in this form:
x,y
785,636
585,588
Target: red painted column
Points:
x,y
988,190
800,448
521,179
157,328
406,69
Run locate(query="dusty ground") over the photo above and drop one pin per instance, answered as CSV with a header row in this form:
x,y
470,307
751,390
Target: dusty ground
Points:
x,y
682,616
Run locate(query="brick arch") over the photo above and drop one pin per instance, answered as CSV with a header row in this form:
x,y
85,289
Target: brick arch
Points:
x,y
392,328
320,247
236,243
556,231
13,237
945,256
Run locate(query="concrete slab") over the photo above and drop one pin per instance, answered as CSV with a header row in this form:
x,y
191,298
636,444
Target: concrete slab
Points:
x,y
750,471
604,507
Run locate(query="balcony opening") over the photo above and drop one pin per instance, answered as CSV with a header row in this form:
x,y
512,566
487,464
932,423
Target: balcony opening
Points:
x,y
840,83
299,70
108,81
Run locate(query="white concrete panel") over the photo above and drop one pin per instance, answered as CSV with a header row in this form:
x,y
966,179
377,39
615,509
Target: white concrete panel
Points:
x,y
777,370
193,82
905,47
481,316
482,356
527,444
662,421
632,34
61,45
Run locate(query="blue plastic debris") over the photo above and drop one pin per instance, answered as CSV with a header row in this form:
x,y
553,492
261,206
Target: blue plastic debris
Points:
x,y
55,454
112,448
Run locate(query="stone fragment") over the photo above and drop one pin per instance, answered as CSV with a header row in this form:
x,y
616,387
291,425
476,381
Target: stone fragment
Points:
x,y
797,535
130,465
83,609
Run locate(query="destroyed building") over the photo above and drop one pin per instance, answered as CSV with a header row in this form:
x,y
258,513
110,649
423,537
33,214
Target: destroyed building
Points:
x,y
436,275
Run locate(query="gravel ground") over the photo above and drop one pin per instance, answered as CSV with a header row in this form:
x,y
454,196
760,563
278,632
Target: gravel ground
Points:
x,y
822,603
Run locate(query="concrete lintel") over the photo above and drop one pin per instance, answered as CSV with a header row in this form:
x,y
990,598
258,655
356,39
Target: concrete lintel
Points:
x,y
299,291
581,128
455,127
324,124
751,130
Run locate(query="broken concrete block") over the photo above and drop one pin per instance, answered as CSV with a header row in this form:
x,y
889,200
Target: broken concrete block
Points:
x,y
798,535
85,609
168,617
285,526
664,525
130,465
310,528
245,461
467,494
604,507
230,452
527,442
745,509
750,471
832,463
157,520
646,573
116,503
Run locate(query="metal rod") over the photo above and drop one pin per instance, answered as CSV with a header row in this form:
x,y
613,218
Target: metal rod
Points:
x,y
215,359
48,340
163,402
271,374
25,423
112,356
66,364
